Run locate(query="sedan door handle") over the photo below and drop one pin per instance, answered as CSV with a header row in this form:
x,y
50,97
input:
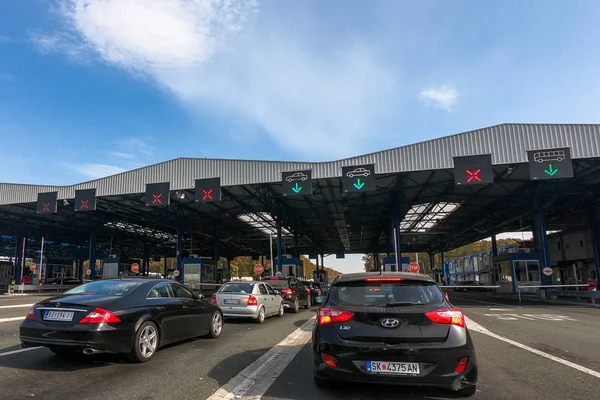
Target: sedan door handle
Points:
x,y
160,308
186,307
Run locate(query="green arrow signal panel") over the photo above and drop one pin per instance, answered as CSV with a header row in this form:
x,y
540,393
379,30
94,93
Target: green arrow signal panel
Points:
x,y
547,164
358,178
296,183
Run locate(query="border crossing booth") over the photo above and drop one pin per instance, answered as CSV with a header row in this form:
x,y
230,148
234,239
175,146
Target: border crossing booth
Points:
x,y
200,271
321,276
110,268
389,264
517,269
223,271
290,267
6,269
57,271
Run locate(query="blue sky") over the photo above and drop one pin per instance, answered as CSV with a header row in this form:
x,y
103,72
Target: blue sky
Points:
x,y
93,87
89,88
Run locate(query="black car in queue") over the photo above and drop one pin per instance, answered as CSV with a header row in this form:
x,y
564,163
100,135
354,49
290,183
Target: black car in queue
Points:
x,y
131,316
292,291
393,328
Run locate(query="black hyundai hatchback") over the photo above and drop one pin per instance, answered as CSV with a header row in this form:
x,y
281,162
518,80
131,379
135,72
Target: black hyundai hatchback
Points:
x,y
392,328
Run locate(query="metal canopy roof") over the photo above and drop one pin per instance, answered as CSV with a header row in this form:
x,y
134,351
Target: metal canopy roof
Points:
x,y
414,183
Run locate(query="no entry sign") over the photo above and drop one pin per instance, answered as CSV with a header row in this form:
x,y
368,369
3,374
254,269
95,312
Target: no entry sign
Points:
x,y
32,267
259,269
135,268
413,267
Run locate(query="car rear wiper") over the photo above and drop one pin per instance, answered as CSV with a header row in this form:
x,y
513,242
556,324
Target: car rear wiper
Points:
x,y
402,304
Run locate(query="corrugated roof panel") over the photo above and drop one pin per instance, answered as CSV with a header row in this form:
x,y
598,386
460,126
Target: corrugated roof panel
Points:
x,y
508,143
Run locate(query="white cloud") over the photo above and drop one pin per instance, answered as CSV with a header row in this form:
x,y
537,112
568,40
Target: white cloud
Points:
x,y
444,97
132,148
95,171
317,102
5,39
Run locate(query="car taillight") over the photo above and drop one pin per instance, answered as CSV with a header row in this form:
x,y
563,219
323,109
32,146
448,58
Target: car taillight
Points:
x,y
462,365
308,289
31,314
289,292
329,360
450,316
213,299
252,301
331,316
100,316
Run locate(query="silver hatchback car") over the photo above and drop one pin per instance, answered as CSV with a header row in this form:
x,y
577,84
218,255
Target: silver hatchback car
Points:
x,y
242,299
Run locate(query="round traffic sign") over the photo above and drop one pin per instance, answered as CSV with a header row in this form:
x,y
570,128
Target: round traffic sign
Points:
x,y
259,269
413,267
547,271
135,268
176,273
32,267
88,272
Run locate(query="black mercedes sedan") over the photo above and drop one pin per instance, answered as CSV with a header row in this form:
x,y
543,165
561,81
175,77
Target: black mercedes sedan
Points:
x,y
133,316
392,328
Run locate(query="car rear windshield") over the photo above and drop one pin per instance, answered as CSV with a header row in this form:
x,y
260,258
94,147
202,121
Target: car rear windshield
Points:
x,y
105,288
278,283
237,288
385,293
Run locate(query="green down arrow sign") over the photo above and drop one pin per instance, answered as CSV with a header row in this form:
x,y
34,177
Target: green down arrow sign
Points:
x,y
551,171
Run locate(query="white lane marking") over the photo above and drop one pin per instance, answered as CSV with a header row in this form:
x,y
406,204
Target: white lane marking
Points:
x,y
8,353
12,319
501,309
258,377
17,306
531,317
475,327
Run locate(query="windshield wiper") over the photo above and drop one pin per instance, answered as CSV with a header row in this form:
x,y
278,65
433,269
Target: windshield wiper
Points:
x,y
402,304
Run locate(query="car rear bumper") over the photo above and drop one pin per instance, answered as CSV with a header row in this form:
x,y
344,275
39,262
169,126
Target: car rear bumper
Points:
x,y
437,366
101,338
240,312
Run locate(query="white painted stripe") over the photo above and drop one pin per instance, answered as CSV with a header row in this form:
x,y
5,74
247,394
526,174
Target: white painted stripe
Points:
x,y
475,327
12,319
17,306
8,353
257,378
501,309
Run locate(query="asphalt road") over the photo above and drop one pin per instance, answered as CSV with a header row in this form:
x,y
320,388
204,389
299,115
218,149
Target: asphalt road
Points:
x,y
196,369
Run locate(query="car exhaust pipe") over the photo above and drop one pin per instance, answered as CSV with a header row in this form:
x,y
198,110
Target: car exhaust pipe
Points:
x,y
88,351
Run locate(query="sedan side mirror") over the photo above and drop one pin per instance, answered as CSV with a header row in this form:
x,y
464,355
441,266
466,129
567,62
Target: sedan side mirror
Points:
x,y
320,299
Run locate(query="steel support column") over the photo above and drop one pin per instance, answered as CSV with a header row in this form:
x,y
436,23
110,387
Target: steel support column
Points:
x,y
179,255
296,250
317,260
17,264
279,245
397,244
322,261
216,243
376,266
595,231
92,255
445,272
432,264
145,267
541,244
494,246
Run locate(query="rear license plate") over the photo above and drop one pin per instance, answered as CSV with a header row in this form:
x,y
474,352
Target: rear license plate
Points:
x,y
231,301
392,368
58,315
